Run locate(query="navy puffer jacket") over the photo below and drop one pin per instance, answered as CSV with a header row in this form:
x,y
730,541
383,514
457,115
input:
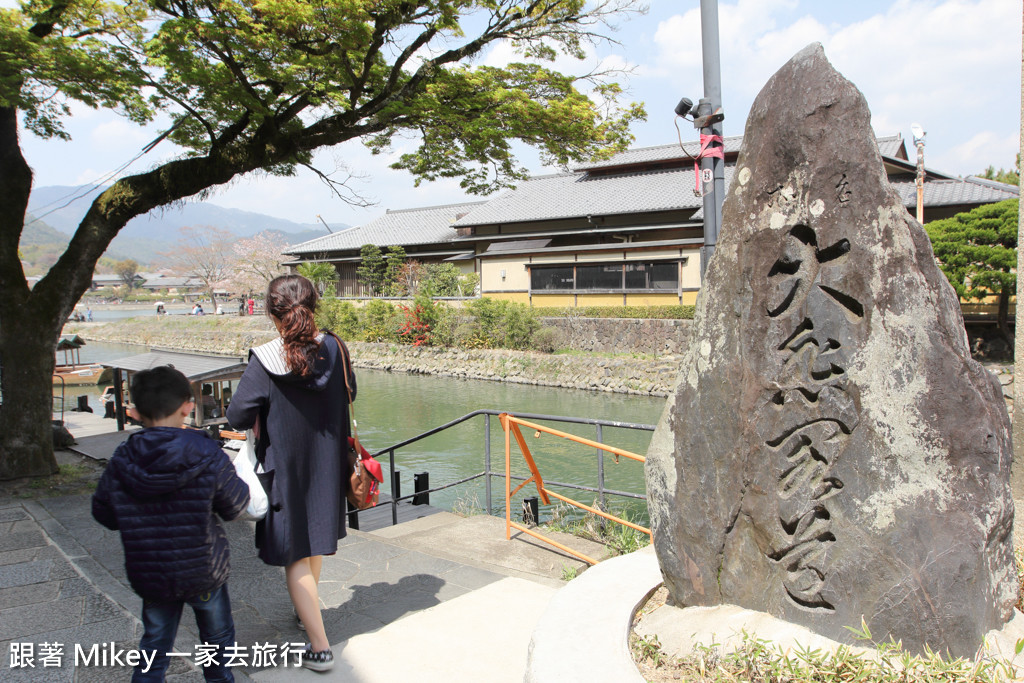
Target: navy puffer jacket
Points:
x,y
160,489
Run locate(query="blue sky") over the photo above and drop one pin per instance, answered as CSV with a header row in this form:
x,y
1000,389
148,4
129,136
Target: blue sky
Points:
x,y
954,66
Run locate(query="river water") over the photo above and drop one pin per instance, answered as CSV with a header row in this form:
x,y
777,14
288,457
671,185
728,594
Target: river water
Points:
x,y
393,407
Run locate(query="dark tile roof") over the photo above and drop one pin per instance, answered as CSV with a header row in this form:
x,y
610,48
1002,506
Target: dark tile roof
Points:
x,y
429,225
968,190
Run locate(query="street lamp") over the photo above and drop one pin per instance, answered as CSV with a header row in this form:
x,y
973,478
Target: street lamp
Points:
x,y
919,134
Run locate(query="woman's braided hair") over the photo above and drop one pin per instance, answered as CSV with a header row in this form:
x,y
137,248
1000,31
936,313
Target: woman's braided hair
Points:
x,y
292,300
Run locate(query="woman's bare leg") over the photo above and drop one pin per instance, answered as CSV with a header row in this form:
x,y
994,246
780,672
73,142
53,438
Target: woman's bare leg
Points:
x,y
302,587
315,563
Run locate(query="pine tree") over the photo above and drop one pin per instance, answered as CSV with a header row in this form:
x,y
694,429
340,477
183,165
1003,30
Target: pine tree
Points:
x,y
393,282
371,269
977,251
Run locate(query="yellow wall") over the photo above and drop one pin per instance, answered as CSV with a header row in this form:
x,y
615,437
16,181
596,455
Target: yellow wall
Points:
x,y
517,297
598,300
667,299
556,300
516,275
689,278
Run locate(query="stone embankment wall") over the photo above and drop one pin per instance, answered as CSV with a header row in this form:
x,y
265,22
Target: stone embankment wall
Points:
x,y
628,372
622,335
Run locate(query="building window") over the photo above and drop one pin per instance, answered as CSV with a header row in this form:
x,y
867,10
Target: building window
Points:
x,y
551,278
604,276
652,276
631,275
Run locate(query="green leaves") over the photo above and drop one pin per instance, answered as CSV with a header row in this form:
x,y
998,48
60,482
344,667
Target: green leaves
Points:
x,y
977,250
55,53
264,83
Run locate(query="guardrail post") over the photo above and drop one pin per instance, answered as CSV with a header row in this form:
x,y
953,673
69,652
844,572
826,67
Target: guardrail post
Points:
x,y
600,469
395,492
487,462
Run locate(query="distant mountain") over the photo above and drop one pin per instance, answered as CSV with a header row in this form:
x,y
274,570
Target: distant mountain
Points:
x,y
38,232
145,239
163,223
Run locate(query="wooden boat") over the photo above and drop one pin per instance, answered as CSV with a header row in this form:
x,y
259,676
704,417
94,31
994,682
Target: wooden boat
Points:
x,y
73,371
86,373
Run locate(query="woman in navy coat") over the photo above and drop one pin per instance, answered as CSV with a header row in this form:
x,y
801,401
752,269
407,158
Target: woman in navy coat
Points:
x,y
294,393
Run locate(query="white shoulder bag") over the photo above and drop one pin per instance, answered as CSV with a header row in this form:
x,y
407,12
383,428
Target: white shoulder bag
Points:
x,y
246,465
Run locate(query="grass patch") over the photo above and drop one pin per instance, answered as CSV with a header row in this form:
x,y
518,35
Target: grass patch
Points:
x,y
70,479
468,505
618,538
761,661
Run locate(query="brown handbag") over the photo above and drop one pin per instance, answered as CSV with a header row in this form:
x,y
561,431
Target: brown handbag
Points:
x,y
364,472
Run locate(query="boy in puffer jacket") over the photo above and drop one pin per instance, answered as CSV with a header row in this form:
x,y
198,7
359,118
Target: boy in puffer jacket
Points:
x,y
161,489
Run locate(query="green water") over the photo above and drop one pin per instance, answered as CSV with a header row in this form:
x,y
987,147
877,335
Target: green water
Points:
x,y
391,408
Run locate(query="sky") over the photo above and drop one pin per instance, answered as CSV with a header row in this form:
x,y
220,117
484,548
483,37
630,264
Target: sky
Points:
x,y
952,66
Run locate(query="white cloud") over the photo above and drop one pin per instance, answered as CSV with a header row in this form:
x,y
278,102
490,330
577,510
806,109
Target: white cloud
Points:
x,y
954,66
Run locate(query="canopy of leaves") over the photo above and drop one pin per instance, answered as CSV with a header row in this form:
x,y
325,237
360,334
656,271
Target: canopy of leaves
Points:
x,y
977,250
322,275
127,270
290,76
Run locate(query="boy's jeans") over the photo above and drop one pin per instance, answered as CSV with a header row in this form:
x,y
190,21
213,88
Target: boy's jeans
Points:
x,y
216,627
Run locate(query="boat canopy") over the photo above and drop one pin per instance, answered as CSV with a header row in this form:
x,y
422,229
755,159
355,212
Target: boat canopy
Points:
x,y
70,341
194,366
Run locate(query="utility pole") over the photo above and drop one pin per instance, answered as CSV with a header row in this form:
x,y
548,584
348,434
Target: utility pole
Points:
x,y
919,143
709,121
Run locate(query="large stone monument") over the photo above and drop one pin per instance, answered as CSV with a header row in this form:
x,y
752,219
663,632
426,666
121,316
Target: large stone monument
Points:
x,y
831,451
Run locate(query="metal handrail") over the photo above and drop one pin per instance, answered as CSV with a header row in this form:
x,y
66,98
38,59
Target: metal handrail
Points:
x,y
488,473
510,424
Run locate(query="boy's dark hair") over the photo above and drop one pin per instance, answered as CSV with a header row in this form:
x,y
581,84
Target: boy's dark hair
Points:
x,y
159,391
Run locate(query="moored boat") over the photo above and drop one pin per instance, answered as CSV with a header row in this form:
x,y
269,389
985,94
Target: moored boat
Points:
x,y
73,371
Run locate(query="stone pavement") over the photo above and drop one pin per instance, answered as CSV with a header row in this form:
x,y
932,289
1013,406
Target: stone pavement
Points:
x,y
62,580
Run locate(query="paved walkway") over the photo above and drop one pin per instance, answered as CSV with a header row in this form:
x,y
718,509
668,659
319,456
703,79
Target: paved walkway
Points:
x,y
415,591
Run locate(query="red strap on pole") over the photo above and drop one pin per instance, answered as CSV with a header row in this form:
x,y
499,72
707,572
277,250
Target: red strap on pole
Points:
x,y
706,151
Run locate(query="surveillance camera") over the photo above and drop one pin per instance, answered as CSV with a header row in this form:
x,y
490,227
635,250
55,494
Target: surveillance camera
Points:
x,y
684,107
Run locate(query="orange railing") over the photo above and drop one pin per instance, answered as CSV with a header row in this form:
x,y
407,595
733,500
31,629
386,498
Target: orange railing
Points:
x,y
510,424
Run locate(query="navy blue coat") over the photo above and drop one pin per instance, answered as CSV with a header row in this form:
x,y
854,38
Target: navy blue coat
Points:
x,y
303,444
161,489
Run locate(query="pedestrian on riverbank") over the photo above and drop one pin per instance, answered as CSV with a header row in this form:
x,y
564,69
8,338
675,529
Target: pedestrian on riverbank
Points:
x,y
161,490
294,391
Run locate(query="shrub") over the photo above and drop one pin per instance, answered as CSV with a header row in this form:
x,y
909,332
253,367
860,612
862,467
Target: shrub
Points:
x,y
505,324
414,330
380,321
445,324
340,317
547,339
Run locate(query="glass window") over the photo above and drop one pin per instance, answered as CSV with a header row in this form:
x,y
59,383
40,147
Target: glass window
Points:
x,y
551,278
647,275
636,275
664,276
604,276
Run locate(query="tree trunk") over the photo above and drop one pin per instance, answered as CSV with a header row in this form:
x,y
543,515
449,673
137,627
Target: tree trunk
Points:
x,y
26,435
1003,318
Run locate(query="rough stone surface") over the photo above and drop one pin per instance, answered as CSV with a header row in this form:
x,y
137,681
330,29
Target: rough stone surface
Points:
x,y
831,451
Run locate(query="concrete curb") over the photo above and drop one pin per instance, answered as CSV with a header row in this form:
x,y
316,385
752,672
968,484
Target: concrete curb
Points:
x,y
584,633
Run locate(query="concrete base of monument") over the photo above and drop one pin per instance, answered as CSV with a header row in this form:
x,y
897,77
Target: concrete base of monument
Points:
x,y
584,632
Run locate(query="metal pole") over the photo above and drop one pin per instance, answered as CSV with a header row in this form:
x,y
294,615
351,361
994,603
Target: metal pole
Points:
x,y
394,492
600,469
712,169
487,462
920,180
